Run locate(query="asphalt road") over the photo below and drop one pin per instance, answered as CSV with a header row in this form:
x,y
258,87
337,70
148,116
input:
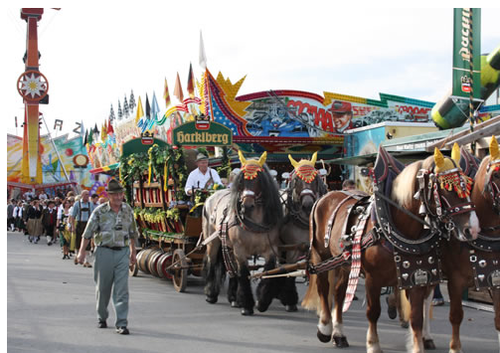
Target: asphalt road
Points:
x,y
51,308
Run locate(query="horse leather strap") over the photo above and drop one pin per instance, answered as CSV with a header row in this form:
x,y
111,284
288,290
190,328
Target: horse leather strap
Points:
x,y
331,220
356,260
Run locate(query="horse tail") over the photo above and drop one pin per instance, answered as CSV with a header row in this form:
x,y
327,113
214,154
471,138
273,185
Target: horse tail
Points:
x,y
405,306
311,298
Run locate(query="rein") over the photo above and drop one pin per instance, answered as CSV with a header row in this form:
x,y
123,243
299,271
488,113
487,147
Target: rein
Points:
x,y
444,211
294,207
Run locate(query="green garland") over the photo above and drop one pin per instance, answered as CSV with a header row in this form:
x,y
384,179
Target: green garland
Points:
x,y
225,169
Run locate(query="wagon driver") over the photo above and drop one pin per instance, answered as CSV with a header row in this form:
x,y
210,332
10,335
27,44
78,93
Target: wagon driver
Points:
x,y
202,177
112,225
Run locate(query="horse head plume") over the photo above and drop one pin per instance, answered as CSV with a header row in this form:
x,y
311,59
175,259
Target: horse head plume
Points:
x,y
305,169
442,164
455,153
494,152
250,167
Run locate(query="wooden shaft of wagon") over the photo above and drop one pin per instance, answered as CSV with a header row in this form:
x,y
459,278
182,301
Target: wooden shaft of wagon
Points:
x,y
281,270
301,247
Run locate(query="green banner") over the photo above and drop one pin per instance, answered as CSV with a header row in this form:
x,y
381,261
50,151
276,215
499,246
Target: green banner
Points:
x,y
466,39
196,134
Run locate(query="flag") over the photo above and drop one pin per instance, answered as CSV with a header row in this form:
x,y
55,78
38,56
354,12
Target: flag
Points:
x,y
155,109
140,112
148,108
104,132
131,102
178,89
120,113
125,107
190,85
90,140
166,95
110,128
203,56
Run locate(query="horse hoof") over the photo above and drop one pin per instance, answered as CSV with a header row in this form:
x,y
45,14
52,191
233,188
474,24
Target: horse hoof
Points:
x,y
291,308
405,324
340,342
323,338
429,344
211,300
246,312
234,304
261,308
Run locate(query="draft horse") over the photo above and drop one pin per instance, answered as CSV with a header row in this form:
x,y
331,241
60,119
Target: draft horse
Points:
x,y
477,263
304,188
390,245
244,222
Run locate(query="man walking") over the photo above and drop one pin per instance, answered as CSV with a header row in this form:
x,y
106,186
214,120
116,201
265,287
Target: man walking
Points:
x,y
78,220
112,225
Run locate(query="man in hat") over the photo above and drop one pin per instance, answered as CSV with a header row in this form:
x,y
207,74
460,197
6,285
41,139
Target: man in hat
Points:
x,y
113,227
80,214
342,115
202,177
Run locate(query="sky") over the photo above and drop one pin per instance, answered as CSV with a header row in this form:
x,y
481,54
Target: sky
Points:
x,y
93,56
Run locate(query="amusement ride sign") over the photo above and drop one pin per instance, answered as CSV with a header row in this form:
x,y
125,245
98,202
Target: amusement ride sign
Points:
x,y
202,132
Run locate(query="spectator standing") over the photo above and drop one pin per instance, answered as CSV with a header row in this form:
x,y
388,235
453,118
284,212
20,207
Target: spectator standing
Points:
x,y
10,215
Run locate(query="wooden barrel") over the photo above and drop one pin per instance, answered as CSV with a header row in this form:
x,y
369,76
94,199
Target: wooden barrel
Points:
x,y
152,262
143,261
162,264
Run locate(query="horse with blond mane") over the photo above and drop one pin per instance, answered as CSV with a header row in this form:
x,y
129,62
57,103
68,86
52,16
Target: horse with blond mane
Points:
x,y
391,245
478,263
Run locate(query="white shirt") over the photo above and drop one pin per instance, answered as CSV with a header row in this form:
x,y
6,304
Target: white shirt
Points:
x,y
197,179
42,196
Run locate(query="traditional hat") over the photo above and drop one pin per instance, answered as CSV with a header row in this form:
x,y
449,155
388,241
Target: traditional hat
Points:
x,y
201,157
114,187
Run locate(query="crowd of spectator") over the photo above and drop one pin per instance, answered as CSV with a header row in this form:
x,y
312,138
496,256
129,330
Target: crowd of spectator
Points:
x,y
56,219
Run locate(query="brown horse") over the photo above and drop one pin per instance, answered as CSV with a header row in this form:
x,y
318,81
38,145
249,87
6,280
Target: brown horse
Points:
x,y
381,266
305,186
483,254
245,222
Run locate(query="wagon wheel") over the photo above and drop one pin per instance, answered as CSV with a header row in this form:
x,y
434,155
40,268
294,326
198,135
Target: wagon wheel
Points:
x,y
180,271
161,266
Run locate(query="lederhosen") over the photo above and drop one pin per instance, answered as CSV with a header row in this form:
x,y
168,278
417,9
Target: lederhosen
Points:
x,y
80,226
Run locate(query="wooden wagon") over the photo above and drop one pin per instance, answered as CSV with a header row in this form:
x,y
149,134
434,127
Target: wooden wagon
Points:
x,y
168,221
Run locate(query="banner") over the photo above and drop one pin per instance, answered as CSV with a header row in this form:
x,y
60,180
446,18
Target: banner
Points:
x,y
466,46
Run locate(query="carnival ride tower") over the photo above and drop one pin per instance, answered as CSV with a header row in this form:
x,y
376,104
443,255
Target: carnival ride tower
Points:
x,y
33,86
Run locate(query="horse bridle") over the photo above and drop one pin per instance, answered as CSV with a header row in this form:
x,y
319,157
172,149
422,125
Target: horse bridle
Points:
x,y
444,211
295,211
492,187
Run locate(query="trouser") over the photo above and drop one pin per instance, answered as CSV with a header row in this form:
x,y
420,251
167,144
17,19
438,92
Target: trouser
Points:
x,y
10,223
79,229
111,277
